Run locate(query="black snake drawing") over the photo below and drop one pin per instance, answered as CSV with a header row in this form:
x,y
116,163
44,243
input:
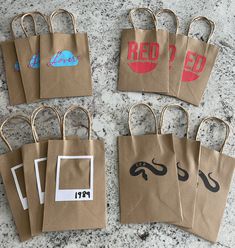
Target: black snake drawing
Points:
x,y
185,175
139,168
207,184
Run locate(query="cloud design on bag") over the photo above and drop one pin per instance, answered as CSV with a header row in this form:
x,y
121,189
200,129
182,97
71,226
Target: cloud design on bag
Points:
x,y
17,66
64,58
34,61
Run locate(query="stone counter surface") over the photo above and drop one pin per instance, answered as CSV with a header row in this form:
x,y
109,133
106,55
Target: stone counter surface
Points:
x,y
103,20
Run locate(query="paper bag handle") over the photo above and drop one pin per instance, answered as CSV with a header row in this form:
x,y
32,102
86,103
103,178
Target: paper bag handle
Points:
x,y
148,107
17,17
31,14
72,108
132,11
210,23
17,116
36,112
173,106
218,120
60,11
172,13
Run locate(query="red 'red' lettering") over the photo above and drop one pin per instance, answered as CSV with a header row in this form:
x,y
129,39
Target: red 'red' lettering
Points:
x,y
132,50
154,51
140,53
143,50
190,58
194,64
199,64
172,52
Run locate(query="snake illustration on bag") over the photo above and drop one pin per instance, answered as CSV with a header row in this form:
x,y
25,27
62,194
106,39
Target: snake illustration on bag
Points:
x,y
185,173
139,168
207,184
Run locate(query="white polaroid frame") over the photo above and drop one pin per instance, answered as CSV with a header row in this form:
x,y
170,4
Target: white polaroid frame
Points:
x,y
41,194
74,194
23,200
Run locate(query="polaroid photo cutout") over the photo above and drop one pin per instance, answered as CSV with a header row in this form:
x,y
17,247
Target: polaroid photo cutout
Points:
x,y
74,194
23,200
41,194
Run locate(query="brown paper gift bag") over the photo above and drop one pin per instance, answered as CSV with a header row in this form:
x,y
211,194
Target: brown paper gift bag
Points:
x,y
177,52
35,162
198,64
144,58
75,183
65,69
27,50
149,188
187,153
11,167
215,176
14,82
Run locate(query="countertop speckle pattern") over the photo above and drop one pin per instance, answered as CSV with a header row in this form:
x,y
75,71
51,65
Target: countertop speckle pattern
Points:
x,y
104,20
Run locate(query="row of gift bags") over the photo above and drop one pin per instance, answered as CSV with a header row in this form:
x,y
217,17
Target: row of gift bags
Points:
x,y
47,65
158,61
56,184
58,65
164,178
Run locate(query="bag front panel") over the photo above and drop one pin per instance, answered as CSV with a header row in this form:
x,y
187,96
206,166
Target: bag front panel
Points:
x,y
34,159
27,50
149,188
215,175
83,207
144,61
199,62
65,65
187,162
12,68
177,52
12,174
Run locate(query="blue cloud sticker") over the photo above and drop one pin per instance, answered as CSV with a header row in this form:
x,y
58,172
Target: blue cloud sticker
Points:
x,y
17,66
64,58
34,61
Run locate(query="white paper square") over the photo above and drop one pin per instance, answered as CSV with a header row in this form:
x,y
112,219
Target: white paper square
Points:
x,y
41,194
74,194
23,200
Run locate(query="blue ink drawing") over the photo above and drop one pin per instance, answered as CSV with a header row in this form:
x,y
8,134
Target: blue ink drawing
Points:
x,y
64,58
34,61
17,66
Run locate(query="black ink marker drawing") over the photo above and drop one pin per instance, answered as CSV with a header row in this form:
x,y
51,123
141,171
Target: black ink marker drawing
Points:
x,y
184,174
207,184
139,168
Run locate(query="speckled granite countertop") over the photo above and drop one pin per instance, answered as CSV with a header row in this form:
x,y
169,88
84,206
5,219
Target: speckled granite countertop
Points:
x,y
103,20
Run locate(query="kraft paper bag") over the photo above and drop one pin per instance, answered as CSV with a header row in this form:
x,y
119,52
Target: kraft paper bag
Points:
x,y
12,68
144,58
35,162
148,181
75,183
199,61
215,176
11,167
177,52
187,153
27,50
65,69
